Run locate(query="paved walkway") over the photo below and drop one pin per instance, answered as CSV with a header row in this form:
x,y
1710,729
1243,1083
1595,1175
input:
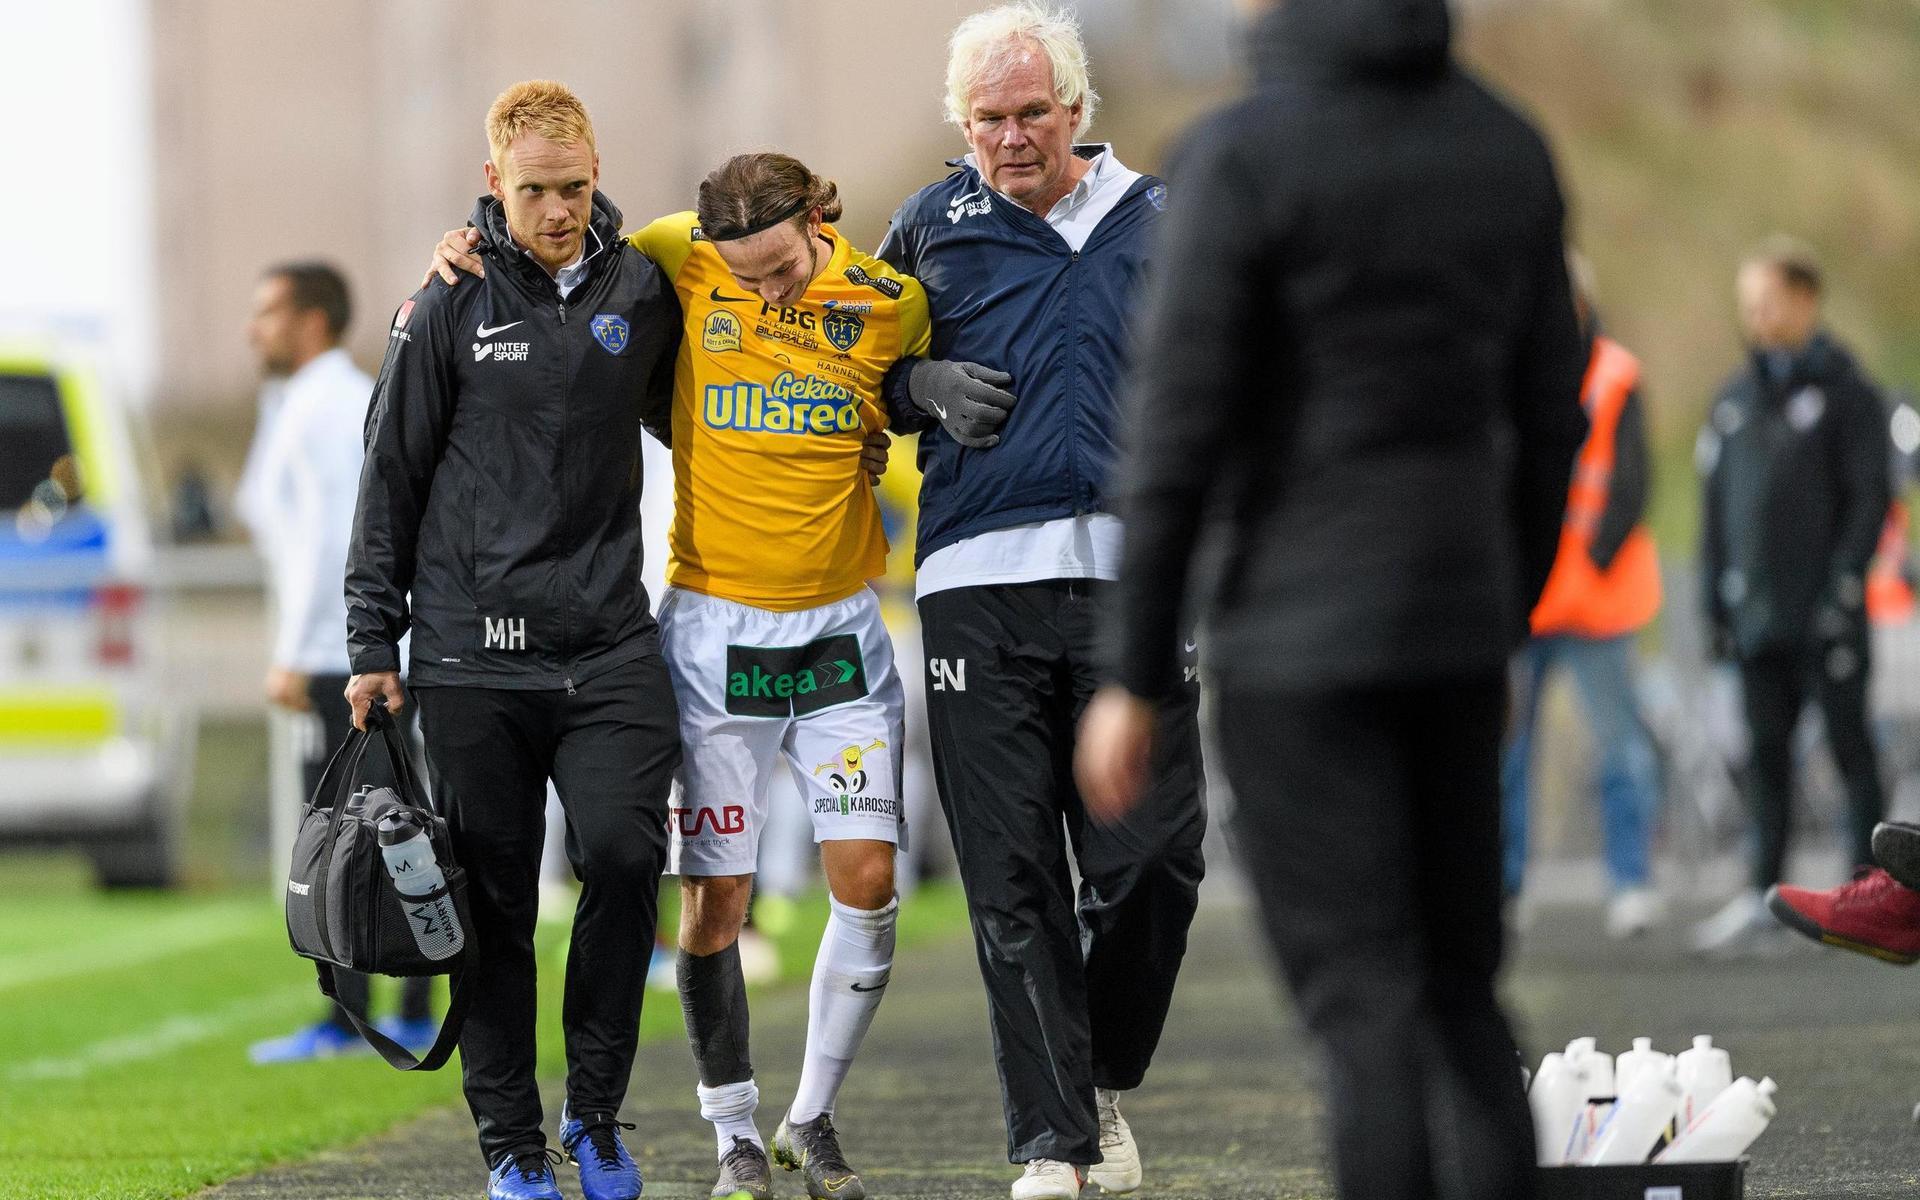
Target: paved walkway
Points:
x,y
1231,1109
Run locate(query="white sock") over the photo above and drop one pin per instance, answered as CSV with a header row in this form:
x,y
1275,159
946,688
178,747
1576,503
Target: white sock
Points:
x,y
849,977
731,1107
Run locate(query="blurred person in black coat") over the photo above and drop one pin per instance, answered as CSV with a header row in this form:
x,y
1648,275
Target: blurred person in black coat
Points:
x,y
1796,490
1360,373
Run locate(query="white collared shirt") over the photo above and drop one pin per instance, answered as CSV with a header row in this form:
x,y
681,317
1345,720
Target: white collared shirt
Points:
x,y
574,273
1075,215
1079,547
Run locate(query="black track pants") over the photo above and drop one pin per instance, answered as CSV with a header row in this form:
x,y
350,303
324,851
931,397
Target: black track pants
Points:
x,y
1369,820
610,750
1774,689
1077,987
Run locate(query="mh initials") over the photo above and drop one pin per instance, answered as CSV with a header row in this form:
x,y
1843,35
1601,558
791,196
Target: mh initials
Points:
x,y
948,674
507,633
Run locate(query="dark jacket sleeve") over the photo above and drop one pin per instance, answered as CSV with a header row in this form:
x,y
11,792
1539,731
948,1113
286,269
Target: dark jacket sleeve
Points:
x,y
656,407
407,425
1865,490
1194,381
903,416
1708,454
1548,423
1628,488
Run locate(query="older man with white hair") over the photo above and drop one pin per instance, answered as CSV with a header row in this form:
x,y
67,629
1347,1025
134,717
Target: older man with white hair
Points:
x,y
1031,253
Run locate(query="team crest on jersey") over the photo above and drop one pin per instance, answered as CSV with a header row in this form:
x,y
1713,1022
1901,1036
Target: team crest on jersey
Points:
x,y
842,328
611,331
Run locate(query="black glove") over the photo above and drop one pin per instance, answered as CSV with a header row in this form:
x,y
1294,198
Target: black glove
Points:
x,y
970,401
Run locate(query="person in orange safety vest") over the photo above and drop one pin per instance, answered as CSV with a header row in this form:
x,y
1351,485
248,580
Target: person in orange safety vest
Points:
x,y
1604,588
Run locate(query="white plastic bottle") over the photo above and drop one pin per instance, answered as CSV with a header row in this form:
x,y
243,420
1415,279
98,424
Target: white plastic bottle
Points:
x,y
416,874
1729,1125
1628,1065
1558,1099
1638,1118
1598,1067
1704,1072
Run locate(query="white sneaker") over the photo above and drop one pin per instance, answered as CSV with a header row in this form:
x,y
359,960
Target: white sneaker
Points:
x,y
1633,911
1742,919
1048,1179
1118,1170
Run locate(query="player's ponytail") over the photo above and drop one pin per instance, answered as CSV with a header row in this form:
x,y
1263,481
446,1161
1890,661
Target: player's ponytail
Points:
x,y
752,192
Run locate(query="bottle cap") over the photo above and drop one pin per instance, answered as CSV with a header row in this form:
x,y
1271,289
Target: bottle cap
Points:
x,y
1642,1045
397,825
1703,1041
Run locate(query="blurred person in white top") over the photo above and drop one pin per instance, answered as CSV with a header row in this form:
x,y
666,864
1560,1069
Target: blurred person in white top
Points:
x,y
297,497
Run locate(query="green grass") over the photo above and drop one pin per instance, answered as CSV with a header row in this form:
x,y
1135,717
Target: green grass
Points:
x,y
125,1021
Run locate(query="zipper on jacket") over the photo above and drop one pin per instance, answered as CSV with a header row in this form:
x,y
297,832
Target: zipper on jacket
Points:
x,y
563,312
1073,374
569,683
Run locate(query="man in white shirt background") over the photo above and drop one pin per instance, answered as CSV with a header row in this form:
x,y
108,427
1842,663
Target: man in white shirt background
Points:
x,y
297,497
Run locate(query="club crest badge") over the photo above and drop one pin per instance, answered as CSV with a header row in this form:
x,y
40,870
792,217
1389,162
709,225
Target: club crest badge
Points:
x,y
842,328
610,331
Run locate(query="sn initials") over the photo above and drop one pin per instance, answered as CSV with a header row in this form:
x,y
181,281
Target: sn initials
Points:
x,y
948,674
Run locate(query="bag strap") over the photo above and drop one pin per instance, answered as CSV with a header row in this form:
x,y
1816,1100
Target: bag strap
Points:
x,y
399,1057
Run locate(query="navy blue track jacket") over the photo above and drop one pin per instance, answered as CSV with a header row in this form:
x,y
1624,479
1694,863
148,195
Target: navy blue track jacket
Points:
x,y
1007,292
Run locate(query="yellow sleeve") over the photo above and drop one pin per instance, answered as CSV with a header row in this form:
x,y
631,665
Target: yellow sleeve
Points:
x,y
669,242
916,325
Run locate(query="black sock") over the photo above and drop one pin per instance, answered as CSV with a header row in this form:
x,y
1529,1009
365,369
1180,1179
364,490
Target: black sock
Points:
x,y
713,996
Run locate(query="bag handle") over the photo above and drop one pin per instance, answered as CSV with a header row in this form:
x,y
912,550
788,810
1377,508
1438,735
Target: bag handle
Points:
x,y
399,1057
352,752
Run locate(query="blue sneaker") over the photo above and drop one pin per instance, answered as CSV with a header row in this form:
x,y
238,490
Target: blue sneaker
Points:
x,y
323,1039
525,1175
416,1034
607,1171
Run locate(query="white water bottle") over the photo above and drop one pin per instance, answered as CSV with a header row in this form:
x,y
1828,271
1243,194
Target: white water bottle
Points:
x,y
1729,1125
1600,1081
1558,1098
1704,1072
1638,1118
1597,1065
408,850
1628,1065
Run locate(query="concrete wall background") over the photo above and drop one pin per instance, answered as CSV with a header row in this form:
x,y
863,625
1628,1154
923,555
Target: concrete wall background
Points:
x,y
352,130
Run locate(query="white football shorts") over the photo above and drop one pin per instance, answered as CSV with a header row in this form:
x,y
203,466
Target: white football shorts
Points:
x,y
780,708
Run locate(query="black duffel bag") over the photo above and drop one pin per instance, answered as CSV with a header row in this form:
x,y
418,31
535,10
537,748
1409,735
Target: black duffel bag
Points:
x,y
343,909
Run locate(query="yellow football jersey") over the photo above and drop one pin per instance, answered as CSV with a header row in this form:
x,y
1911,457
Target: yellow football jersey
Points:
x,y
770,406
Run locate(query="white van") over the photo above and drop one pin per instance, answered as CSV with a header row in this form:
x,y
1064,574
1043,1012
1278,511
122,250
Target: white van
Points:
x,y
94,751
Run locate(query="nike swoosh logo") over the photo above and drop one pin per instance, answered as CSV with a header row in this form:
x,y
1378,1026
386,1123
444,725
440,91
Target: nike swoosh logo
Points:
x,y
939,409
483,331
717,298
1192,645
875,988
